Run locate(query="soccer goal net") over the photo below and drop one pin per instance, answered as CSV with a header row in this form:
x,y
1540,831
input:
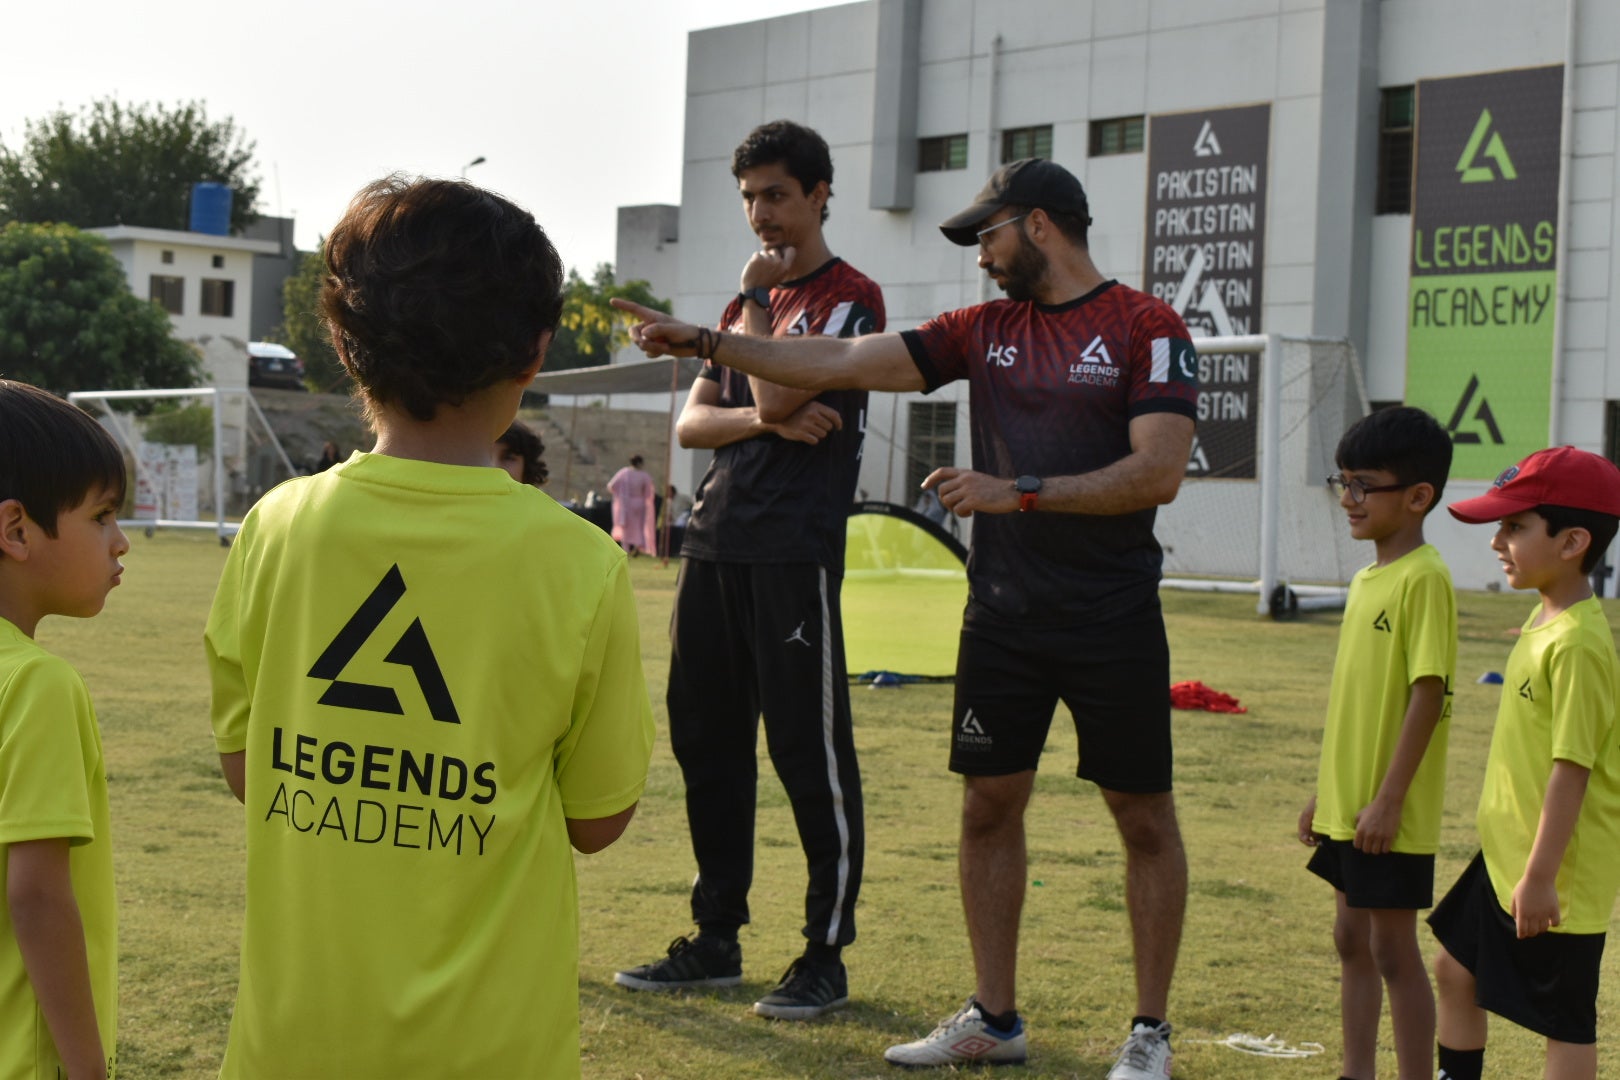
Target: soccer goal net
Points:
x,y
1254,513
198,457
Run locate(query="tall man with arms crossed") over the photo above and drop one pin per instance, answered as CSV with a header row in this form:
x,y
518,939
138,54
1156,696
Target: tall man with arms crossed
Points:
x,y
1083,393
756,623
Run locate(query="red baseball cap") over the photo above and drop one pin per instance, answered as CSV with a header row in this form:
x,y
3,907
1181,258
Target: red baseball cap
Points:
x,y
1562,476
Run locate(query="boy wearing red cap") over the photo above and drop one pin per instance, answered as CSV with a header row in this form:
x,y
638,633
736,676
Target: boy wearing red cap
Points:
x,y
1522,931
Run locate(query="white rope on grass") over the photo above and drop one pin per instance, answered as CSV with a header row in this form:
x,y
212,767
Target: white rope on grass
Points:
x,y
1270,1046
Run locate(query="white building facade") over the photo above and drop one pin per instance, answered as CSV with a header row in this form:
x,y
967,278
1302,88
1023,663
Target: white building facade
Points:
x,y
1432,180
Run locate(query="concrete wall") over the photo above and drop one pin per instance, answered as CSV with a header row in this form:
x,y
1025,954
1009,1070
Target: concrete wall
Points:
x,y
1331,266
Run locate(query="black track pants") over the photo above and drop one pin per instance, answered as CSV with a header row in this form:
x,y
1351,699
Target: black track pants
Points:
x,y
751,639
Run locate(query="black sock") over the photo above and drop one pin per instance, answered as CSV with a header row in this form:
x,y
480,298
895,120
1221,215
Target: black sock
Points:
x,y
1000,1021
823,955
717,931
1461,1064
1150,1021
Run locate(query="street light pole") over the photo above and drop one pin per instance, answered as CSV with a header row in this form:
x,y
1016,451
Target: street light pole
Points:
x,y
479,160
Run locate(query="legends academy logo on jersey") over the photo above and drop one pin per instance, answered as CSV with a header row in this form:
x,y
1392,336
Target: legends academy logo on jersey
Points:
x,y
396,787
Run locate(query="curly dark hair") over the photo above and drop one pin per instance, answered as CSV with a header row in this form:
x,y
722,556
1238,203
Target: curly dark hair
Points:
x,y
521,440
436,289
801,151
53,455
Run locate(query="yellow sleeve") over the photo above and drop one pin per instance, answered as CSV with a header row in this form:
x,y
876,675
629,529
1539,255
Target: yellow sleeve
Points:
x,y
223,640
602,760
45,762
1583,704
1431,613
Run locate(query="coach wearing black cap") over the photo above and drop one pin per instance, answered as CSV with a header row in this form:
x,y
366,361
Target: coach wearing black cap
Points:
x,y
1083,393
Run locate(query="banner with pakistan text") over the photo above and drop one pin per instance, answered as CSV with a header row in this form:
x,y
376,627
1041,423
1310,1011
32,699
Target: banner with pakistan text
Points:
x,y
1483,290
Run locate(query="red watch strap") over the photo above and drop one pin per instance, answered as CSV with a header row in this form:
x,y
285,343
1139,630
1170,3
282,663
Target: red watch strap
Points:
x,y
1026,500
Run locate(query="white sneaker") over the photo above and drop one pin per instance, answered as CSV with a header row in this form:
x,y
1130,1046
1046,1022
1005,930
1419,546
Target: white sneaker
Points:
x,y
1145,1055
965,1037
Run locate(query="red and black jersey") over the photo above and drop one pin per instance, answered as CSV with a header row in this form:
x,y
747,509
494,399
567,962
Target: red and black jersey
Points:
x,y
768,499
1053,390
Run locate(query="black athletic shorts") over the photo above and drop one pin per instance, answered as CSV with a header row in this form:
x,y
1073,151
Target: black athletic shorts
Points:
x,y
1547,983
1114,677
1396,879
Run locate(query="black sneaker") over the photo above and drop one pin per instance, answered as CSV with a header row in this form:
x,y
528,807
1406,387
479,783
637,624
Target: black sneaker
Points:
x,y
806,991
705,961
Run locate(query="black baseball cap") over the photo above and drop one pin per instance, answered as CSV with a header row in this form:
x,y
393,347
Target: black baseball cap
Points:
x,y
1032,182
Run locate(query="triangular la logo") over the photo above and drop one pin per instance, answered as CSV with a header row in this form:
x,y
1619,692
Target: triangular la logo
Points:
x,y
1487,143
1207,145
1197,461
412,651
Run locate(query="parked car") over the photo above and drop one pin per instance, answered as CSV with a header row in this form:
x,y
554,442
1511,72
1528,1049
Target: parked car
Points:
x,y
270,364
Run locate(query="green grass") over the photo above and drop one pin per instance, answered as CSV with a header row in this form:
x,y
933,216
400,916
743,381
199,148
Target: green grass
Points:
x,y
1257,956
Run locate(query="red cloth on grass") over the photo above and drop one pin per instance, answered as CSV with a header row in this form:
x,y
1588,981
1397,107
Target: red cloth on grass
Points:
x,y
1193,694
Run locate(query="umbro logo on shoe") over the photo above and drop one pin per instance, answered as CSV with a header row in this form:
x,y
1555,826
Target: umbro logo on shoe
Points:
x,y
1382,623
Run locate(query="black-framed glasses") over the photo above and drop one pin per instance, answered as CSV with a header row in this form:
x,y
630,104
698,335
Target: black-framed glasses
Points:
x,y
1339,484
982,233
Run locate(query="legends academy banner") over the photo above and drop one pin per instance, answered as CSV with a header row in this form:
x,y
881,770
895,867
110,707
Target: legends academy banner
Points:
x,y
1483,288
1206,226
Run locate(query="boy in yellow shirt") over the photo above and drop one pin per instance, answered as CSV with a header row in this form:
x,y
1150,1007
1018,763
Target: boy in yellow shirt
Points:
x,y
427,682
61,484
1522,931
1375,819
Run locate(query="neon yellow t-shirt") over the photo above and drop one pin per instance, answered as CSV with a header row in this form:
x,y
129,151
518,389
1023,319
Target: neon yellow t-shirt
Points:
x,y
1559,695
1400,625
53,785
429,667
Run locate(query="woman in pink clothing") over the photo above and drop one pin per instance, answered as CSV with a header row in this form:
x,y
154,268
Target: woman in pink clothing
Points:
x,y
632,492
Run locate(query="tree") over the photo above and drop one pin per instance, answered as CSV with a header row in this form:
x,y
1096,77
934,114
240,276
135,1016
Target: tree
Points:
x,y
69,322
592,329
115,164
302,328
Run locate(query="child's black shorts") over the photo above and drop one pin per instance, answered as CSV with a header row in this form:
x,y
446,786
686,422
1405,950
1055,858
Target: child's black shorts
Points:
x,y
1114,677
1392,880
1547,983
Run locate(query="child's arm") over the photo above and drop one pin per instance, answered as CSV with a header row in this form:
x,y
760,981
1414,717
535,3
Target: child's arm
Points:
x,y
234,766
1306,817
590,835
1380,819
1535,898
50,936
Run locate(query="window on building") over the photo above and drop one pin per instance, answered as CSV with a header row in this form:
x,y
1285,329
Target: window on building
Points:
x,y
169,293
219,262
168,258
218,297
1396,111
1020,143
1121,135
930,439
941,153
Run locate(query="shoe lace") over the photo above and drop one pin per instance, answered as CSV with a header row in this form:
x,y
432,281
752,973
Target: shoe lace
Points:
x,y
1138,1049
964,1016
679,945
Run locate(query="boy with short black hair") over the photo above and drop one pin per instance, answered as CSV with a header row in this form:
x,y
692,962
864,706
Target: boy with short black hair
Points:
x,y
424,717
1522,930
61,484
1375,819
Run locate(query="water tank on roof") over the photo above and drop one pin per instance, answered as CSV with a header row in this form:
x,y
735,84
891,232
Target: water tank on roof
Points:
x,y
211,208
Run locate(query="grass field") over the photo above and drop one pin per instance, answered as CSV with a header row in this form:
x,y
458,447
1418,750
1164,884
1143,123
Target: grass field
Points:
x,y
1257,956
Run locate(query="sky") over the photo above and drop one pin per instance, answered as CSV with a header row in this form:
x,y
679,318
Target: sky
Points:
x,y
577,106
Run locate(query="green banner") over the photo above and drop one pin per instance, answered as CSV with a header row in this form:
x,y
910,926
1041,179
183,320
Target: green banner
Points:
x,y
1483,290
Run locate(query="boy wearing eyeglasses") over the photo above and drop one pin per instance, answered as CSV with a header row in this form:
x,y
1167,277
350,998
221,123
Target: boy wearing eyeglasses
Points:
x,y
1375,818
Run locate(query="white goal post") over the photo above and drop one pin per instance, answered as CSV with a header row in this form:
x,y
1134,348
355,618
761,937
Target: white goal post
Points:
x,y
1255,514
239,426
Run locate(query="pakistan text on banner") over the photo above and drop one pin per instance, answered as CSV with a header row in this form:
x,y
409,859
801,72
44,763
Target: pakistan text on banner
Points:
x,y
1206,232
1483,293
